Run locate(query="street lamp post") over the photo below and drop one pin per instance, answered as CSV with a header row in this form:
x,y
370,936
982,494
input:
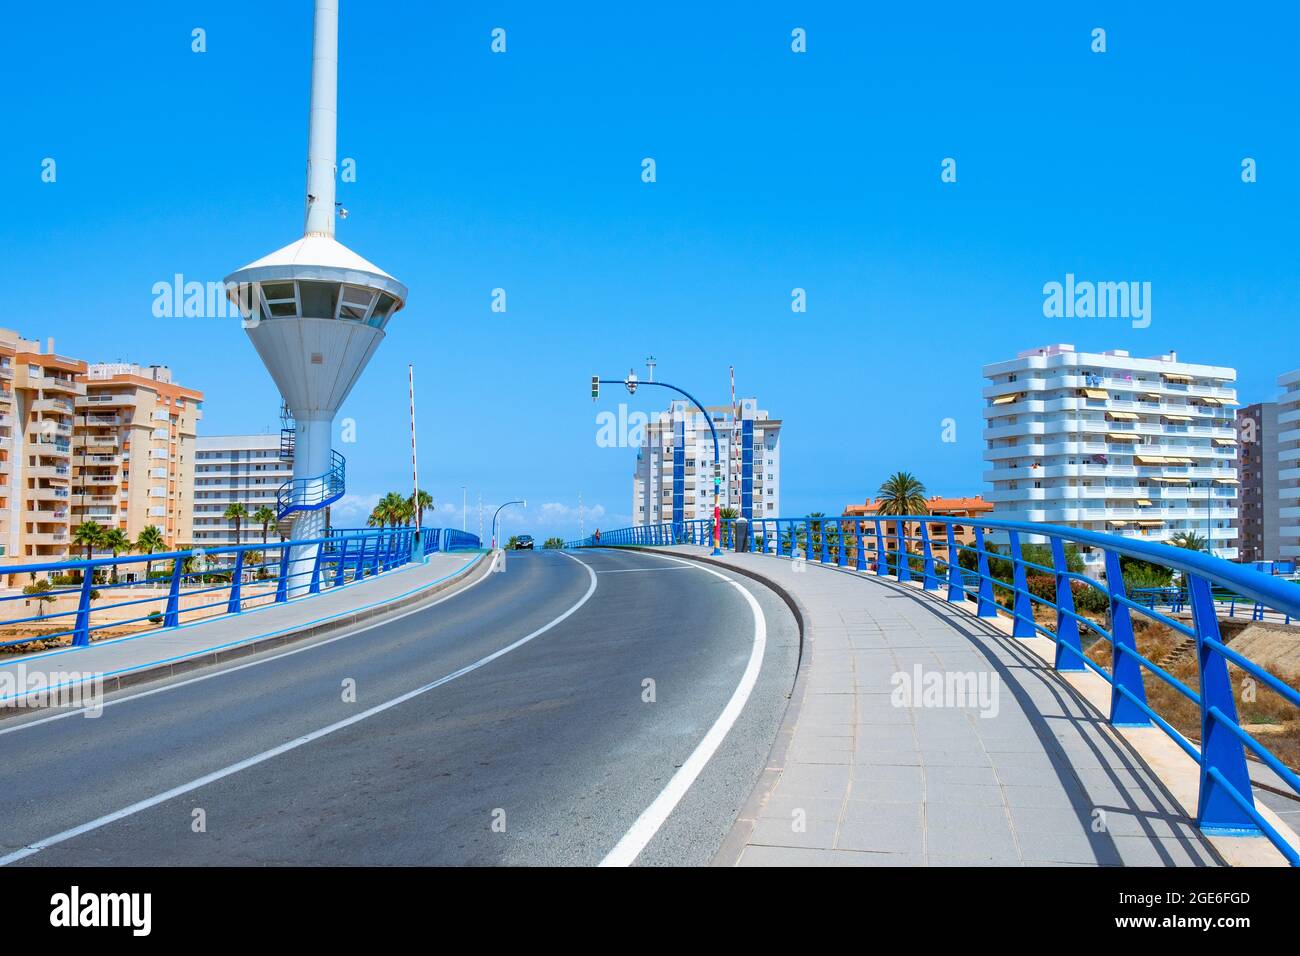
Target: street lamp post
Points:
x,y
631,384
521,501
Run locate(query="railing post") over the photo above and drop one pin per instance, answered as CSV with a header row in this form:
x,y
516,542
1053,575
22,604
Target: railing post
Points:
x,y
282,579
862,551
1125,669
235,604
340,563
1069,647
956,590
929,580
1022,607
821,533
987,607
379,548
882,555
314,586
359,571
1223,756
904,572
172,615
81,634
842,556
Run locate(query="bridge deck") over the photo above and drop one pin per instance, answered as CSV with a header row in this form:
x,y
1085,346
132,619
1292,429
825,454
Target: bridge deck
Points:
x,y
1029,774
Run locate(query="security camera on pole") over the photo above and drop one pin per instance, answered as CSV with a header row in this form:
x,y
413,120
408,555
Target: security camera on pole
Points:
x,y
631,383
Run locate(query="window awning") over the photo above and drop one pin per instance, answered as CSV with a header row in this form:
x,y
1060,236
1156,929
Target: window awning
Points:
x,y
1226,481
1123,416
1229,401
1210,401
1150,459
1121,436
1176,418
1225,442
1176,377
1156,395
1175,481
1005,399
1143,503
1096,393
1117,523
1150,524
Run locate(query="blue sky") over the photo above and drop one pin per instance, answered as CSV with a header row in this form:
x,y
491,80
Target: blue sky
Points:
x,y
775,170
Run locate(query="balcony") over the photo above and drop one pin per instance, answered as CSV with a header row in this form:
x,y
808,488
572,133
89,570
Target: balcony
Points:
x,y
108,400
51,383
96,420
60,405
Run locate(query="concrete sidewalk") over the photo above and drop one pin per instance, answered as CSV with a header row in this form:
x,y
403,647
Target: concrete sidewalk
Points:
x,y
119,662
1025,773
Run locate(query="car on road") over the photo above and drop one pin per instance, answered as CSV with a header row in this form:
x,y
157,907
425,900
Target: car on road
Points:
x,y
524,542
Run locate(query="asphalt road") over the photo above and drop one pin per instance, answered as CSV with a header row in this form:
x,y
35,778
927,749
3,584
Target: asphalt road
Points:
x,y
482,732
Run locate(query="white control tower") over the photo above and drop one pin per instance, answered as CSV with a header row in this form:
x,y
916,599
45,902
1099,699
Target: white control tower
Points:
x,y
316,312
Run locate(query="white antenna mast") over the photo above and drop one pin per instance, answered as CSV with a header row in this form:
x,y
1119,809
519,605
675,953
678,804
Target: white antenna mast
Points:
x,y
322,127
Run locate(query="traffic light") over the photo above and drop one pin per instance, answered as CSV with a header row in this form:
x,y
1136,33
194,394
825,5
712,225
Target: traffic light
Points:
x,y
595,387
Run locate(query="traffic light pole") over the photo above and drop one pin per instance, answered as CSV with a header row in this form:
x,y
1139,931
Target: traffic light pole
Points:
x,y
631,383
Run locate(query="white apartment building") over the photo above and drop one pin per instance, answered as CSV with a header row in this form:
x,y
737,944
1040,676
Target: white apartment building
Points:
x,y
1139,447
673,480
246,469
1288,462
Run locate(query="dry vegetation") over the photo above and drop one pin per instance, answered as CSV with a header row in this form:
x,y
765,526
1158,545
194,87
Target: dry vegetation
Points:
x,y
1273,721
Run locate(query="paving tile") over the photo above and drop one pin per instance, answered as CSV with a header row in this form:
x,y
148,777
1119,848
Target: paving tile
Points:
x,y
782,805
937,777
884,828
965,794
887,791
814,780
769,831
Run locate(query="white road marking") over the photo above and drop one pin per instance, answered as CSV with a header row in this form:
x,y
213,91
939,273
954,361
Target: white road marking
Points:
x,y
631,570
222,671
131,810
652,818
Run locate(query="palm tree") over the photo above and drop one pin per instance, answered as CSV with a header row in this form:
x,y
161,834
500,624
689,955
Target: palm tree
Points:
x,y
149,541
1190,540
265,517
89,535
902,494
115,540
237,513
420,500
394,506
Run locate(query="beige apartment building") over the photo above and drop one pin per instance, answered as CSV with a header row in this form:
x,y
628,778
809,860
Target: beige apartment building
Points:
x,y
133,451
78,442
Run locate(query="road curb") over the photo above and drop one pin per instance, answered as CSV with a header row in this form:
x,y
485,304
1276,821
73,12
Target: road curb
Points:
x,y
466,576
733,844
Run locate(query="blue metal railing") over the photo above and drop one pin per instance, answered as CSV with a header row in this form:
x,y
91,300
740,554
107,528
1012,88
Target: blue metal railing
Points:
x,y
433,540
985,561
120,595
312,494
